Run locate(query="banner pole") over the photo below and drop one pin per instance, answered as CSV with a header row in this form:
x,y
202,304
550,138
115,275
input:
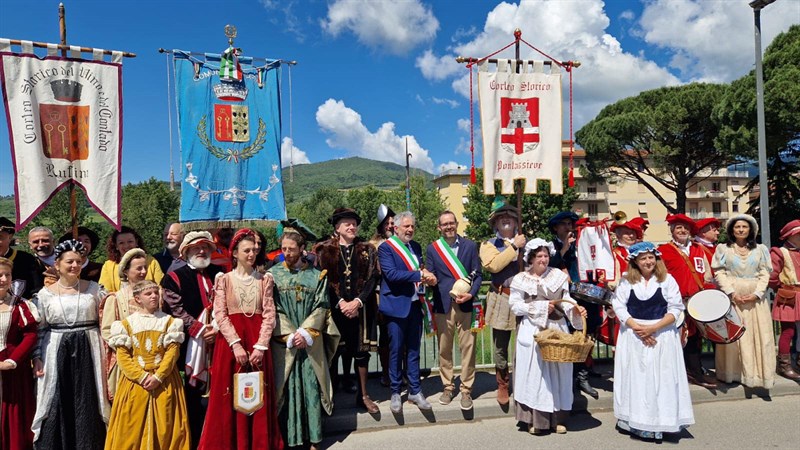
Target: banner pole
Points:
x,y
518,183
73,202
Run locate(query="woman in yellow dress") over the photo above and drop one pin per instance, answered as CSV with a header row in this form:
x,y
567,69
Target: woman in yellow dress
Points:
x,y
149,410
118,244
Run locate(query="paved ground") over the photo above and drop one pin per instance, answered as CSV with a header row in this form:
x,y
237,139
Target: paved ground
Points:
x,y
347,418
743,423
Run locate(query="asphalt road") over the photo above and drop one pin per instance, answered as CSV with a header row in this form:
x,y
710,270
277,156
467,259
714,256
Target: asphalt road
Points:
x,y
745,424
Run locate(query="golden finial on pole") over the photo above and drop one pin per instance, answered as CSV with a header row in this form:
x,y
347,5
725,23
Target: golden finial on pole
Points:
x,y
230,31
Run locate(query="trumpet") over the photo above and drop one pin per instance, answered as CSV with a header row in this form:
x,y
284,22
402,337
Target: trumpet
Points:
x,y
620,217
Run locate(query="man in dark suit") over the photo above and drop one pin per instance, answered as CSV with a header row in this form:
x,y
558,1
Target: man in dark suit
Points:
x,y
400,260
451,258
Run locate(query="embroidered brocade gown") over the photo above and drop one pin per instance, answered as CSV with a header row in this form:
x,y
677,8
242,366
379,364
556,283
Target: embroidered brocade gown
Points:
x,y
245,313
140,419
17,400
751,359
71,405
301,376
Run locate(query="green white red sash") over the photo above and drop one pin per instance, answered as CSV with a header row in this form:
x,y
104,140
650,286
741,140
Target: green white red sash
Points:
x,y
402,250
450,259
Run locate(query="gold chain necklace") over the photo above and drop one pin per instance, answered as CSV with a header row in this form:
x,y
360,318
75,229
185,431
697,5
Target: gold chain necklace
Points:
x,y
348,261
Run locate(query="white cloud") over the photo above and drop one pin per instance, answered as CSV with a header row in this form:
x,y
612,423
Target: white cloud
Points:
x,y
446,101
451,165
437,68
627,15
291,154
463,125
347,132
289,22
396,26
712,40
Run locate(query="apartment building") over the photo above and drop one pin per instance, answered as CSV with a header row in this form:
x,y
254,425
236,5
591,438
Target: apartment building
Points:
x,y
715,195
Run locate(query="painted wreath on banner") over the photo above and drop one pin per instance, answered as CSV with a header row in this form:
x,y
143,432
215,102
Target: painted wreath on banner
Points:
x,y
231,154
233,194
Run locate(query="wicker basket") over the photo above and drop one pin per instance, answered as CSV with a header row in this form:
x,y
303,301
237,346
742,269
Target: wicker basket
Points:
x,y
555,350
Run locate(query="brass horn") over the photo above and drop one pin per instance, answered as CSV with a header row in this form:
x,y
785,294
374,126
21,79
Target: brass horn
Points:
x,y
620,217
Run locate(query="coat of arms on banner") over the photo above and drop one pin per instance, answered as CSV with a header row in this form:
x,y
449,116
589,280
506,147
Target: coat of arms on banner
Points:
x,y
230,138
65,126
521,126
520,122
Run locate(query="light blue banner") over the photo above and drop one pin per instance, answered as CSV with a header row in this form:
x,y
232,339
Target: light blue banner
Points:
x,y
230,141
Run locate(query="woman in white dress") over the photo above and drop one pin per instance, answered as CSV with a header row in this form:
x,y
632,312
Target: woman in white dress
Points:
x,y
651,391
542,390
71,407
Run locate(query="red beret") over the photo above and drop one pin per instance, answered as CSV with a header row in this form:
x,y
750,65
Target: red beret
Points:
x,y
702,223
640,222
680,218
790,229
629,224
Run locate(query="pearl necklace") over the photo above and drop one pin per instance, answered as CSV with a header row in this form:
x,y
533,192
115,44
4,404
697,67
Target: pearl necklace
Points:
x,y
246,280
61,304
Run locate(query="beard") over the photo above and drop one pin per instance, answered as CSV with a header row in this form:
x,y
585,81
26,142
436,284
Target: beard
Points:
x,y
199,262
172,245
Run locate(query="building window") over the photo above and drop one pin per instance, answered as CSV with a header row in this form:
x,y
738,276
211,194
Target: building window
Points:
x,y
465,182
716,208
735,207
591,189
592,209
716,186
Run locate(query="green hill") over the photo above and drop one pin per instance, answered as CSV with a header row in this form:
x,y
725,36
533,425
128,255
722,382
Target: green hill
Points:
x,y
345,173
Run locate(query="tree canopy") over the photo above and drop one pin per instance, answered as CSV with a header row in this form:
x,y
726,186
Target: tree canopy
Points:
x,y
664,137
736,112
537,209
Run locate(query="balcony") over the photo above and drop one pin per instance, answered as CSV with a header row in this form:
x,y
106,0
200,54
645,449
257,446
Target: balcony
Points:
x,y
705,194
694,215
724,173
592,196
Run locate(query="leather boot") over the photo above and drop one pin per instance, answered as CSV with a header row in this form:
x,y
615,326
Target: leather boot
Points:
x,y
785,368
582,381
502,386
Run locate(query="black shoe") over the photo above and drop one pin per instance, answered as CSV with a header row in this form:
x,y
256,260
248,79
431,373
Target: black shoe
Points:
x,y
582,381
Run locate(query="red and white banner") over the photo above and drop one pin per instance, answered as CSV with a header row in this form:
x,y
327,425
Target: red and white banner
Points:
x,y
521,125
65,126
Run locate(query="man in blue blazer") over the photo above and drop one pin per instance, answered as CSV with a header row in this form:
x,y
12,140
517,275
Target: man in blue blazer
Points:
x,y
400,259
450,258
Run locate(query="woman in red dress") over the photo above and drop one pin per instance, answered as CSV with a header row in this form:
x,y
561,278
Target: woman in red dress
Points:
x,y
17,339
245,313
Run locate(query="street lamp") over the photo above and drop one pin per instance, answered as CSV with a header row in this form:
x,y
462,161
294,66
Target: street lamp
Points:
x,y
757,6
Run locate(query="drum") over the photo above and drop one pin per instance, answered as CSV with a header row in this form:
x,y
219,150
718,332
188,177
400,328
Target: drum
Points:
x,y
715,316
590,293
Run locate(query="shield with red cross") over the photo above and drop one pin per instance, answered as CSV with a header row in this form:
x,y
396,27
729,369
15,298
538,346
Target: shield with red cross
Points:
x,y
519,124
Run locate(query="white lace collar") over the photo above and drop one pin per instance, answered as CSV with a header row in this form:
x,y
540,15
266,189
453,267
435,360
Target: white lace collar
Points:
x,y
551,281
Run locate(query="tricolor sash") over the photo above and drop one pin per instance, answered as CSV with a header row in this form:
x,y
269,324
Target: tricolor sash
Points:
x,y
450,259
402,250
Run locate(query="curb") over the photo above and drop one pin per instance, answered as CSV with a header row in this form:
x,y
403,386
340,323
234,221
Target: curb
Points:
x,y
347,418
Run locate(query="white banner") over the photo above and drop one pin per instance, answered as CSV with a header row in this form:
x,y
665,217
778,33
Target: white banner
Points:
x,y
65,125
521,126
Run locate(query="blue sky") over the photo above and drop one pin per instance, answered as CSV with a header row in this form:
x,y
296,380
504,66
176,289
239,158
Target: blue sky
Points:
x,y
373,72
